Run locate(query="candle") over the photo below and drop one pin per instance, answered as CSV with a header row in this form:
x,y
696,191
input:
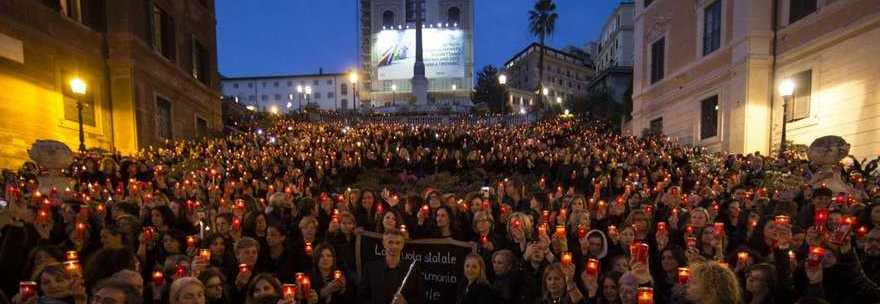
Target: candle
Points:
x,y
592,268
425,209
560,231
639,252
402,228
72,267
205,254
27,290
719,228
337,275
816,255
181,271
306,284
236,224
862,232
71,255
782,219
566,258
190,242
645,295
820,219
80,230
308,248
379,209
289,291
689,230
298,277
514,223
662,227
612,230
242,268
581,232
691,242
545,217
158,277
684,274
792,257
742,258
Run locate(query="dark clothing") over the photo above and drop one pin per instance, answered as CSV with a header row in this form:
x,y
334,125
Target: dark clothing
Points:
x,y
477,293
379,283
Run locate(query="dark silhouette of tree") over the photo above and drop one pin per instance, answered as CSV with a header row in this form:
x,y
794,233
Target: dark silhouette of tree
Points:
x,y
489,91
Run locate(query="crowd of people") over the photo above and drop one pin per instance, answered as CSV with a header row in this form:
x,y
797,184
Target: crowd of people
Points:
x,y
569,213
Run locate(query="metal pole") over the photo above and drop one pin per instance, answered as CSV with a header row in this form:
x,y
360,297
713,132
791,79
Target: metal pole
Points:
x,y
784,123
82,135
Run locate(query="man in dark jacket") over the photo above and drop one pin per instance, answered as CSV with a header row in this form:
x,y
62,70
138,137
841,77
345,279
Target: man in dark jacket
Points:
x,y
381,279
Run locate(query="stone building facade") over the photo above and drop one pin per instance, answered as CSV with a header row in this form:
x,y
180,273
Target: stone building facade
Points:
x,y
707,72
565,76
147,81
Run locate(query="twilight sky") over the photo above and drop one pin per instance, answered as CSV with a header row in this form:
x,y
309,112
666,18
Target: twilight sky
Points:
x,y
270,37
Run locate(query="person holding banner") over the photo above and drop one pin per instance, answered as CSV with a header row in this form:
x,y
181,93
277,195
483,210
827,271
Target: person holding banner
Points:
x,y
392,280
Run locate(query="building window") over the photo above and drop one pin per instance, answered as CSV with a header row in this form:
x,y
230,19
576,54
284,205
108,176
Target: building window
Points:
x,y
201,127
264,97
799,104
315,82
252,97
250,84
275,84
317,95
264,84
388,18
656,126
330,95
453,15
709,117
163,33
798,9
330,81
277,96
411,10
235,85
289,83
343,88
200,63
712,28
163,118
72,9
658,58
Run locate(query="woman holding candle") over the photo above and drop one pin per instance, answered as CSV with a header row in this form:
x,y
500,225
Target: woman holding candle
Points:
x,y
519,232
279,255
303,247
445,224
391,219
475,288
216,288
667,276
559,287
329,281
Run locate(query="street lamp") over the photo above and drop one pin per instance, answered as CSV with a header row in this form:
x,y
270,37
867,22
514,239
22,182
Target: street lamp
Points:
x,y
454,87
289,102
353,78
308,94
393,93
786,89
299,90
502,79
558,99
79,87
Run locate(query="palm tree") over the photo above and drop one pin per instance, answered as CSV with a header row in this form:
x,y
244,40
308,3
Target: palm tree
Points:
x,y
542,23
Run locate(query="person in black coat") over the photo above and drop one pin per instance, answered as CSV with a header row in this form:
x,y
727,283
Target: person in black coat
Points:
x,y
381,278
475,288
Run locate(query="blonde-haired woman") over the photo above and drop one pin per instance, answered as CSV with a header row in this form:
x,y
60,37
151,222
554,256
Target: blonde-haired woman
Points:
x,y
187,290
475,288
520,232
559,286
712,283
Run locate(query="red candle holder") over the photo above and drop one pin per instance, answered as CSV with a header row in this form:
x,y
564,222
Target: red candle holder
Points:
x,y
158,278
592,267
566,258
27,290
289,291
684,275
645,295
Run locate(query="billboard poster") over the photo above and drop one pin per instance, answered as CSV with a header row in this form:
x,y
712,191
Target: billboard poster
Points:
x,y
394,53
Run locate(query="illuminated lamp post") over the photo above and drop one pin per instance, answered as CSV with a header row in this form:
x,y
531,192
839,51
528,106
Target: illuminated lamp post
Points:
x,y
786,89
502,80
353,78
299,90
393,94
79,87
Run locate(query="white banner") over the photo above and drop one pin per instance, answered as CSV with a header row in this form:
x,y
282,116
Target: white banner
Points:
x,y
394,53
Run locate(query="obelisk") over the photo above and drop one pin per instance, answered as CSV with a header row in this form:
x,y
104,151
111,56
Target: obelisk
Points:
x,y
419,82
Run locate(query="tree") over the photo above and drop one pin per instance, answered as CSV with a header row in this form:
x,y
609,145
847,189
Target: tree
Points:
x,y
542,23
488,90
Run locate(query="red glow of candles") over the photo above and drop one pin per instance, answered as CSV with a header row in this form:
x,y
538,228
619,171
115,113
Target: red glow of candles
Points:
x,y
566,258
80,229
486,205
72,267
742,258
239,204
684,275
236,224
514,223
816,255
847,220
191,241
612,230
820,218
782,219
402,228
71,256
242,268
306,284
380,209
337,275
560,231
27,290
484,240
861,232
716,208
289,291
662,227
592,268
645,295
689,229
601,205
181,271
639,252
425,209
719,228
582,232
205,254
792,257
649,209
691,242
158,277
308,248
545,216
